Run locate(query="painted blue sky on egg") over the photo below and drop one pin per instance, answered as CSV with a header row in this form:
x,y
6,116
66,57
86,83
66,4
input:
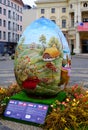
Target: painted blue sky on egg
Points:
x,y
46,27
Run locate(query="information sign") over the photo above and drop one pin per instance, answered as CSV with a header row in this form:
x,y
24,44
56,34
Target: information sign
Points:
x,y
27,111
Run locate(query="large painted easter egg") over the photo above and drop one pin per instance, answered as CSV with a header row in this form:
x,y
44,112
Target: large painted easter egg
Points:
x,y
39,56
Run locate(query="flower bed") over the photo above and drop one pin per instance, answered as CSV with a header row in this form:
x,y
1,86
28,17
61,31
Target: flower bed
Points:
x,y
6,93
70,113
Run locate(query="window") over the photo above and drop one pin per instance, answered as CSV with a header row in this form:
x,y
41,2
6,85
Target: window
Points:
x,y
20,18
85,5
42,11
14,15
72,22
0,35
42,17
0,22
13,26
54,21
53,10
85,19
71,6
13,36
21,10
15,6
8,3
9,25
64,34
0,1
0,10
17,37
63,10
20,28
4,35
4,11
12,4
4,23
9,36
18,8
5,2
16,27
63,23
9,14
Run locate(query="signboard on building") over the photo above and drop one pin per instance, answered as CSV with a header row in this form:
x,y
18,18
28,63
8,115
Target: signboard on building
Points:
x,y
82,27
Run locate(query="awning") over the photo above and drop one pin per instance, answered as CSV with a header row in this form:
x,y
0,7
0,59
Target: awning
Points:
x,y
82,27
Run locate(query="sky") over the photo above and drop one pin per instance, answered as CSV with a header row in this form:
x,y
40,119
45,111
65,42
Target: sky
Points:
x,y
29,2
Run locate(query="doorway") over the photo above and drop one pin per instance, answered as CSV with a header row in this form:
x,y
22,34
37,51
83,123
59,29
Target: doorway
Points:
x,y
84,46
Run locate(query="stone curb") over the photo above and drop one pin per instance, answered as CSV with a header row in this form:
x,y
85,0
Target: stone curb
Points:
x,y
83,56
2,127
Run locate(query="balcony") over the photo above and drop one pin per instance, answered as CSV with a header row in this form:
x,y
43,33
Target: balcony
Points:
x,y
83,26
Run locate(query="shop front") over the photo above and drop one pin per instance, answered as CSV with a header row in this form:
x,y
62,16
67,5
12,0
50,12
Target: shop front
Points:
x,y
7,48
84,46
83,32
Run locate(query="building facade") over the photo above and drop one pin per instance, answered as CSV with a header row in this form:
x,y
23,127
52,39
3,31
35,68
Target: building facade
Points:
x,y
10,24
29,15
72,18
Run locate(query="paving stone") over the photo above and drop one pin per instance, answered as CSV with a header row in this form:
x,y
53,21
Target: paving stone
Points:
x,y
2,127
0,123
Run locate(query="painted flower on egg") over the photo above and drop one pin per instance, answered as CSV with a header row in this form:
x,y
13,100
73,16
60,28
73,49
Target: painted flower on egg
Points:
x,y
38,58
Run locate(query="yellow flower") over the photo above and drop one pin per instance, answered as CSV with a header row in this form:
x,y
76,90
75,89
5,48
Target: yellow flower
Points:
x,y
77,102
63,119
2,90
67,100
74,100
87,91
54,109
73,117
66,128
73,104
51,105
50,129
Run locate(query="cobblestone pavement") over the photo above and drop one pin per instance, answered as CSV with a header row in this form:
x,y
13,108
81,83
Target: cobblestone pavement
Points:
x,y
79,75
10,125
6,77
79,71
7,72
